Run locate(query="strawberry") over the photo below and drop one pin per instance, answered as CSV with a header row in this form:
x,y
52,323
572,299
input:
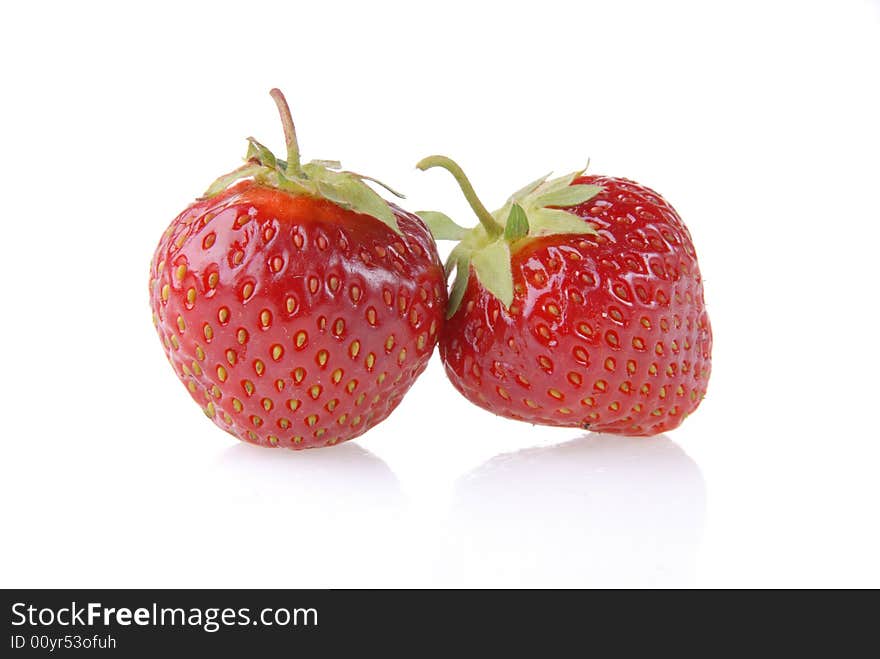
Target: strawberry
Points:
x,y
578,304
295,304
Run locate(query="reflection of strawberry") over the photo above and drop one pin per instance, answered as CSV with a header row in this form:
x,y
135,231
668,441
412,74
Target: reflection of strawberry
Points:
x,y
579,303
295,304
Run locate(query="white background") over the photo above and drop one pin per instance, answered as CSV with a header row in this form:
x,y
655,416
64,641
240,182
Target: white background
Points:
x,y
757,120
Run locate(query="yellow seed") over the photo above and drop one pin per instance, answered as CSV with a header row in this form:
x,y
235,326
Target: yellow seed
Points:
x,y
322,357
381,377
293,404
291,304
174,342
209,332
191,386
342,419
248,387
242,336
180,272
231,357
215,391
351,386
213,280
265,318
166,290
196,368
247,290
236,404
299,374
355,294
257,421
421,341
301,338
555,393
277,351
339,327
371,316
259,367
315,391
180,324
354,349
360,399
223,315
389,343
370,361
336,376
267,404
273,440
331,405
284,424
190,295
313,284
210,410
221,374
200,354
401,356
312,419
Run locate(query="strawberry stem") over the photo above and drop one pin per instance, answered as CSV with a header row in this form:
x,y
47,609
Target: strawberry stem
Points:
x,y
293,163
493,229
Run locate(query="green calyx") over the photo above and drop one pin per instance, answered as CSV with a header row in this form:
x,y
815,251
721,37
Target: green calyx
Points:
x,y
535,210
322,179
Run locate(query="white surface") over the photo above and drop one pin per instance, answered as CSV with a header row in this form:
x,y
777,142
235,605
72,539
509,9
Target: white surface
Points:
x,y
758,121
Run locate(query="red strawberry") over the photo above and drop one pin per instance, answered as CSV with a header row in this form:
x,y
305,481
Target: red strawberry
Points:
x,y
297,306
579,304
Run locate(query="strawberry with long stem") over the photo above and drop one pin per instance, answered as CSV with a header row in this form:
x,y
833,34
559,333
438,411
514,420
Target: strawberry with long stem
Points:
x,y
295,304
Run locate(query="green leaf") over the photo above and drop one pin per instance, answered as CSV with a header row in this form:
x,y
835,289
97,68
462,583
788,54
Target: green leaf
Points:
x,y
571,195
245,171
557,183
442,226
517,224
377,182
459,286
553,221
260,152
327,164
526,190
492,266
349,192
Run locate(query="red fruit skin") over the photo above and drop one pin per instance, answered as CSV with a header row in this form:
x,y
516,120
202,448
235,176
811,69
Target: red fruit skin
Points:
x,y
292,321
605,332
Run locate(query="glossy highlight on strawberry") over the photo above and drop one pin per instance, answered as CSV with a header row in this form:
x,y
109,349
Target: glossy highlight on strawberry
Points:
x,y
605,330
292,319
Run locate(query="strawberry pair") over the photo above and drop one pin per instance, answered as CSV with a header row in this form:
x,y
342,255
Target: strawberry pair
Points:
x,y
298,306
